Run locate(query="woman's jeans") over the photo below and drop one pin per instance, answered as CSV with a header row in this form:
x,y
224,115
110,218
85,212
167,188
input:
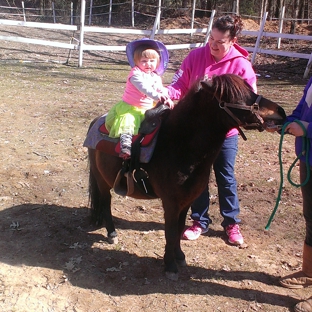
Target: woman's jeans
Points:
x,y
306,191
227,188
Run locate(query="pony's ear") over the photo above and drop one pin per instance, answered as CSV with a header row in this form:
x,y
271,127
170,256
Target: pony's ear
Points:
x,y
206,85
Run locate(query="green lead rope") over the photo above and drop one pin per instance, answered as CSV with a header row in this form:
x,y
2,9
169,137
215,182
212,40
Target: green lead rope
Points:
x,y
305,151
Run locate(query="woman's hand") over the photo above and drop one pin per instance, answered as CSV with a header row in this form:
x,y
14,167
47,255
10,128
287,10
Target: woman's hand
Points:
x,y
295,129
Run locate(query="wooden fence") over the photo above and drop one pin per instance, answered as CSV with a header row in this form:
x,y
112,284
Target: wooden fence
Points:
x,y
81,46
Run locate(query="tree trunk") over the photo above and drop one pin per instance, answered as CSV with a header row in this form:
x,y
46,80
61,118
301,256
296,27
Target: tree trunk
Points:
x,y
264,4
278,8
205,5
269,10
301,12
295,16
41,6
208,5
308,10
75,11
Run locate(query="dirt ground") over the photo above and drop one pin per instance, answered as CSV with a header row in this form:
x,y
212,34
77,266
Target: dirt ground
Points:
x,y
51,259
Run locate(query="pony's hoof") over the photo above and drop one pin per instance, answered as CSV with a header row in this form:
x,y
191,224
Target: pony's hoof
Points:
x,y
172,276
113,238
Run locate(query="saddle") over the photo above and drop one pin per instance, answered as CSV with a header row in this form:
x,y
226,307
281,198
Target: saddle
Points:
x,y
131,176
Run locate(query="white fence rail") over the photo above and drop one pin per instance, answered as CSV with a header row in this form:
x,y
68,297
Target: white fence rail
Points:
x,y
81,46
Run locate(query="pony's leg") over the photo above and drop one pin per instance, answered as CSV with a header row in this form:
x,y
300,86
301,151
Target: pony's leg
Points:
x,y
100,201
172,249
171,269
179,254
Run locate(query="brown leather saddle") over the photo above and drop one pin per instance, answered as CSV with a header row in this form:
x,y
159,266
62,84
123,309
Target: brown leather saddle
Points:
x,y
132,176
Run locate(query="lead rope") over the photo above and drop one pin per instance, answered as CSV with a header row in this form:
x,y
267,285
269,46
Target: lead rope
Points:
x,y
305,151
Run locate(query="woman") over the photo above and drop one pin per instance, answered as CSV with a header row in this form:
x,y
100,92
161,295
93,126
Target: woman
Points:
x,y
303,131
220,56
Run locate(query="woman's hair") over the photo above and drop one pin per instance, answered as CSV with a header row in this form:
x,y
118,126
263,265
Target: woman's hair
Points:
x,y
145,51
231,23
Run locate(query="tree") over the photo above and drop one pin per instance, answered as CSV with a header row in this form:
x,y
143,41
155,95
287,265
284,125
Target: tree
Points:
x,y
303,11
75,10
279,8
271,8
205,5
44,5
264,4
295,16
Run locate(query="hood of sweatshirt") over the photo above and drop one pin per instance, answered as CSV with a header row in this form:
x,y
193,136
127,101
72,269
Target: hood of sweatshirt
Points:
x,y
235,51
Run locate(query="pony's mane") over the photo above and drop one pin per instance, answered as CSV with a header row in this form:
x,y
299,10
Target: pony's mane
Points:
x,y
195,88
230,87
226,87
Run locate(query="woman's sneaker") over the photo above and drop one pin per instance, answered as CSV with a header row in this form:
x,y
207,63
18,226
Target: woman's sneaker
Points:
x,y
234,234
194,231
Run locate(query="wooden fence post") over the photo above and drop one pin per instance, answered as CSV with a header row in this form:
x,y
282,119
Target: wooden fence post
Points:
x,y
254,53
132,13
53,13
90,12
209,26
82,23
24,11
280,27
193,15
71,13
309,65
110,12
157,20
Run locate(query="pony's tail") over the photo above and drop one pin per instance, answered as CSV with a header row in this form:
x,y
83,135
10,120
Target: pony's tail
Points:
x,y
95,201
100,203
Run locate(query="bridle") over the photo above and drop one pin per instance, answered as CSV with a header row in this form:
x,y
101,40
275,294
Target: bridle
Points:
x,y
254,108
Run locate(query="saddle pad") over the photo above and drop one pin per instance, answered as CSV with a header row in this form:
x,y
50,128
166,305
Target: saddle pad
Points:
x,y
146,140
97,138
93,135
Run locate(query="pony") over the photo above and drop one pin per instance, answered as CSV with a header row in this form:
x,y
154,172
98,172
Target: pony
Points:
x,y
189,140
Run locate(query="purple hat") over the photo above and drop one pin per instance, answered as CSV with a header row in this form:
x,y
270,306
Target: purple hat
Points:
x,y
154,44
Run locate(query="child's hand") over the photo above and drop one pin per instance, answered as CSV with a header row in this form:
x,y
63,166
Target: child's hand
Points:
x,y
166,100
170,103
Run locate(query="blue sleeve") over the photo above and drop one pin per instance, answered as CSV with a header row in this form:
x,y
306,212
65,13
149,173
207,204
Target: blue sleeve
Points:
x,y
297,112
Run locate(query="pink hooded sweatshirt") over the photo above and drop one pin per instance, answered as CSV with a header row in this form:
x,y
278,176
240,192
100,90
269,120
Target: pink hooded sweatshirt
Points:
x,y
200,64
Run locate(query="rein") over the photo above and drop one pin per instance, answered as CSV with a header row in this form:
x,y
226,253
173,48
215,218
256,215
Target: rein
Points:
x,y
254,108
305,151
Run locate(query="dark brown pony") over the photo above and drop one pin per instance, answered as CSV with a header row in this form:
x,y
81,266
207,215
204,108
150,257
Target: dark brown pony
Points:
x,y
189,140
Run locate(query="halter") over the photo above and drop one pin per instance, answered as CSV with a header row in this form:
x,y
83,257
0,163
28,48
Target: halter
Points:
x,y
254,108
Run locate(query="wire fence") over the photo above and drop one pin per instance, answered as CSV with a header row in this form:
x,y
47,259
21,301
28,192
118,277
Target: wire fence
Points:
x,y
87,26
126,13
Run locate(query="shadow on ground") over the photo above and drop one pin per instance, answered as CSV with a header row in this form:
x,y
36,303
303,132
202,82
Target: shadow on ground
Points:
x,y
53,236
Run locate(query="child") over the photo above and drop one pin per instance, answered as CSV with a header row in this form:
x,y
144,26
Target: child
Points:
x,y
148,59
303,113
